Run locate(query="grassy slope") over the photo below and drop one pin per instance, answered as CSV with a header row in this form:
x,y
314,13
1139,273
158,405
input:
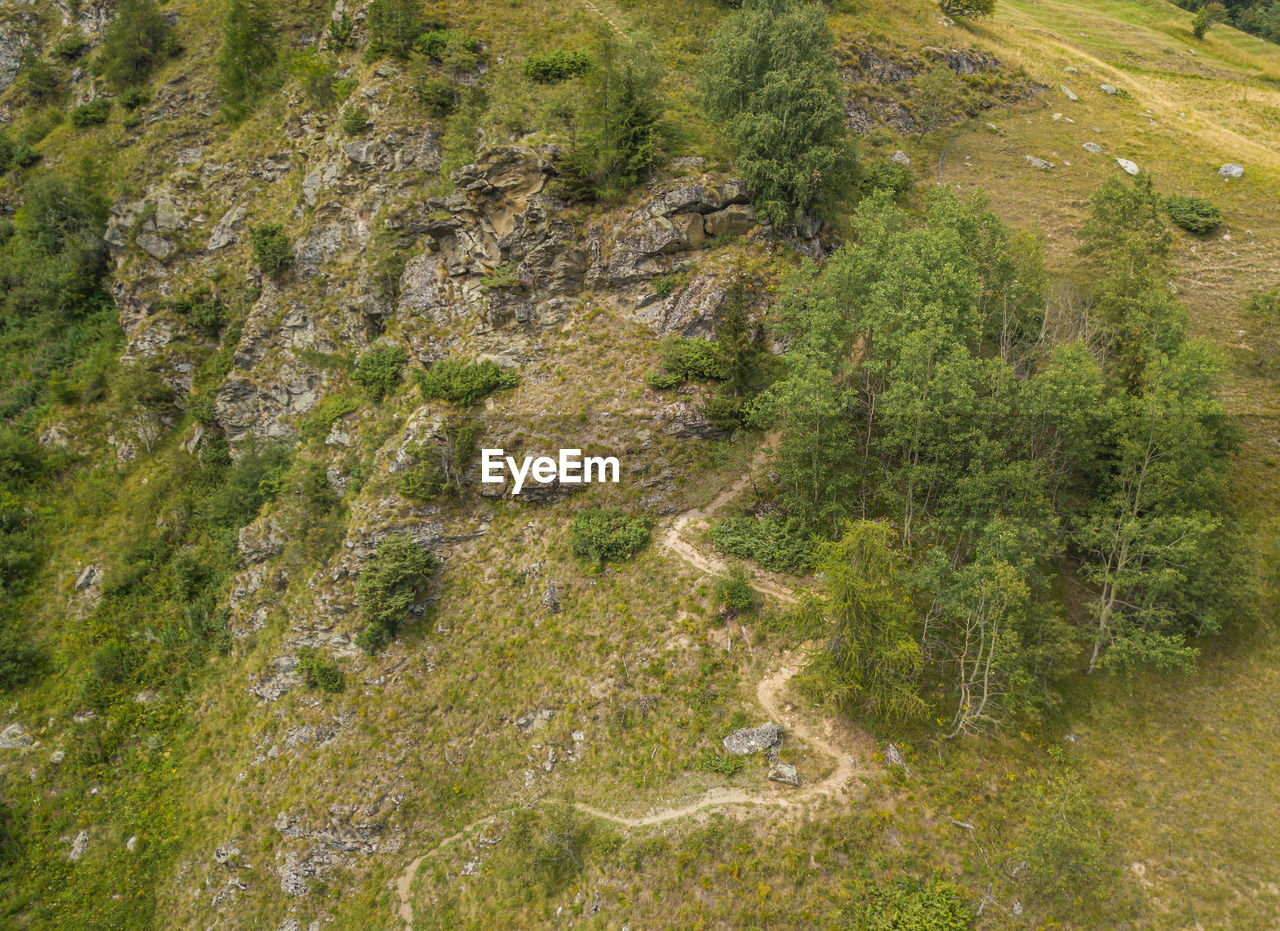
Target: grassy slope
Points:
x,y
1185,764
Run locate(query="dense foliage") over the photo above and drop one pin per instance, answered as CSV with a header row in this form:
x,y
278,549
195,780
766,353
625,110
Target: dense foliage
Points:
x,y
1193,214
772,78
390,584
923,391
606,534
464,383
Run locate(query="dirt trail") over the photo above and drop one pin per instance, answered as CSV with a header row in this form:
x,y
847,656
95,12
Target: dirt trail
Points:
x,y
680,536
843,743
604,16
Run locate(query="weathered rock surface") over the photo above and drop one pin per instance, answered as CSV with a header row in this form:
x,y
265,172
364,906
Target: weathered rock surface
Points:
x,y
1128,166
748,740
785,773
1231,170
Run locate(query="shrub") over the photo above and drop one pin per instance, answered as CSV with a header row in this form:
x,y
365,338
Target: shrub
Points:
x,y
884,175
1205,17
911,905
782,545
93,113
72,47
604,534
436,93
321,418
557,66
137,40
663,381
691,358
354,121
424,480
393,25
1193,214
1064,846
314,72
464,383
20,662
378,370
395,577
723,764
246,62
317,672
37,76
970,9
342,31
203,308
132,98
736,594
272,250
453,50
345,87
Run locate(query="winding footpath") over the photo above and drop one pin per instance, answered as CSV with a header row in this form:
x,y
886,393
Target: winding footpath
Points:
x,y
842,743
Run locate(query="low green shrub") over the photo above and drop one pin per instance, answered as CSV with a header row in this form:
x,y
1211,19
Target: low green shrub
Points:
x,y
317,422
722,764
93,113
204,309
1193,214
554,67
72,47
354,121
736,594
776,543
883,175
451,48
394,579
378,370
663,381
342,32
691,358
272,250
910,905
464,383
437,93
604,534
132,98
317,672
425,479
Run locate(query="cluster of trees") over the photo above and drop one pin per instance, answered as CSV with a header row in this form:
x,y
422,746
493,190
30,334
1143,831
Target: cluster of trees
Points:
x,y
1256,17
962,465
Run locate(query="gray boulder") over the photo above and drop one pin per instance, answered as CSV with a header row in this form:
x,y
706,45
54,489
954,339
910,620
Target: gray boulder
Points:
x,y
1038,162
1067,92
1231,170
784,773
1092,147
748,740
1109,89
1127,165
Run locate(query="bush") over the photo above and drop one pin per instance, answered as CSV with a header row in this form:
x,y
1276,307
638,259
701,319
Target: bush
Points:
x,y
272,250
342,31
93,113
354,121
1064,848
422,481
246,62
1193,214
557,66
436,93
314,72
778,544
134,97
736,594
204,309
20,662
318,672
690,358
393,25
884,175
604,534
378,370
393,580
453,50
72,47
970,9
911,905
663,381
137,40
464,383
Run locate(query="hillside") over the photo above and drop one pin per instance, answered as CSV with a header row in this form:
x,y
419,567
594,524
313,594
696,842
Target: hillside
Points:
x,y
274,655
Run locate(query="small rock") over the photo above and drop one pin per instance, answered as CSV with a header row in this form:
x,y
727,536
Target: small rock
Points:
x,y
78,846
893,756
1127,165
131,844
535,721
902,158
1071,738
748,740
1068,93
1109,89
551,597
1057,116
88,577
784,773
1231,170
1038,162
14,737
1092,147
